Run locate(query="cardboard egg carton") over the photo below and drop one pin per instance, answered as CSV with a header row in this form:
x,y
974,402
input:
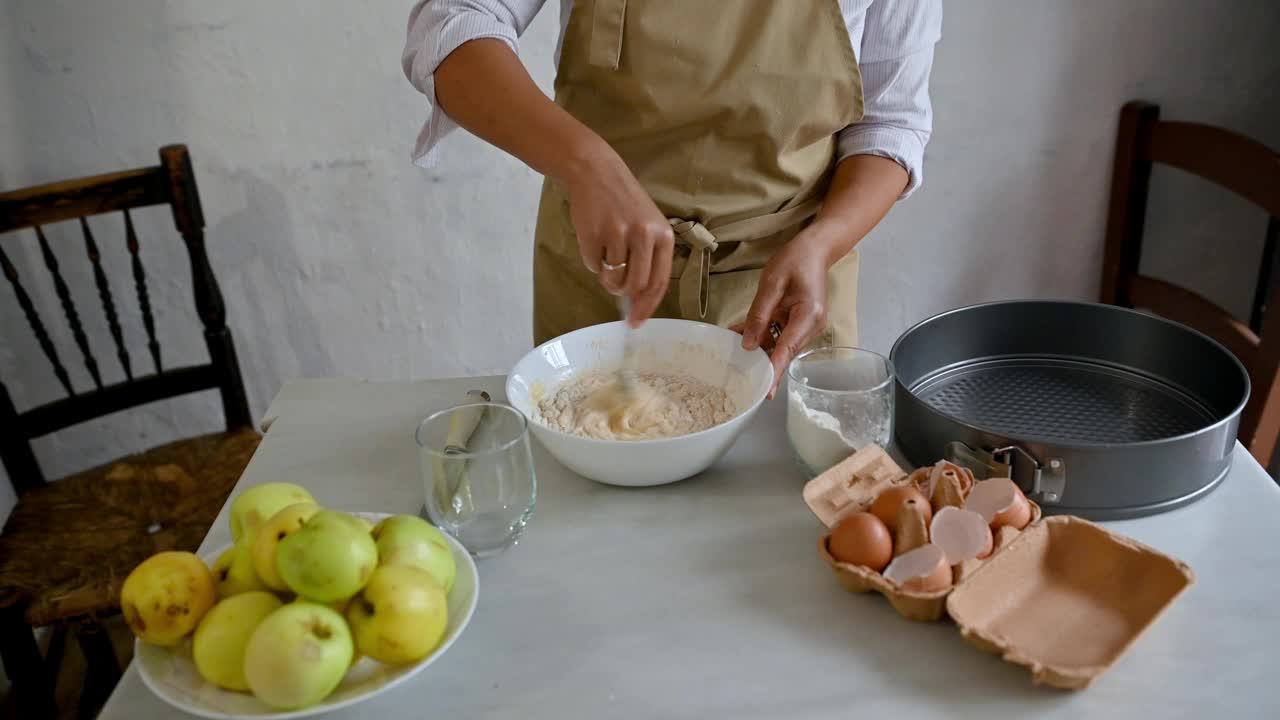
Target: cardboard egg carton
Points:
x,y
852,486
1063,597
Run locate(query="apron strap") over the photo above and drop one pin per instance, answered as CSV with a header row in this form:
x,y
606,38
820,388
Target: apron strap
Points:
x,y
606,33
695,280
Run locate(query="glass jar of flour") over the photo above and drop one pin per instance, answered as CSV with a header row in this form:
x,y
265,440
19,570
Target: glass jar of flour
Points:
x,y
839,400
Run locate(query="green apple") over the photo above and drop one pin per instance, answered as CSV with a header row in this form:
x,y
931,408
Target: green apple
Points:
x,y
410,540
339,607
265,543
256,505
220,639
233,572
400,616
328,559
297,655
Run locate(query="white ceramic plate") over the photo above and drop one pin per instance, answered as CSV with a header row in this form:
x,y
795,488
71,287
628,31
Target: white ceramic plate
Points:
x,y
171,674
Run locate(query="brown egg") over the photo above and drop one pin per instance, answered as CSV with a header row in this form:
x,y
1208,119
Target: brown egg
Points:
x,y
939,579
1005,535
924,569
1017,515
989,547
1002,502
861,539
890,502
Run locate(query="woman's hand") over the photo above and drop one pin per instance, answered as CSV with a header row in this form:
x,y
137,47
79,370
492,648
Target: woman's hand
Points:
x,y
622,235
793,289
792,298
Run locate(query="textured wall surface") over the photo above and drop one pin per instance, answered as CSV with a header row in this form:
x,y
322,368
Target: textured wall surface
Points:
x,y
338,257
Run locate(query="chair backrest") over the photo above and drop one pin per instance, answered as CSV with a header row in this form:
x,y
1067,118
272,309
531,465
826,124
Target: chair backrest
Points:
x,y
171,183
1239,164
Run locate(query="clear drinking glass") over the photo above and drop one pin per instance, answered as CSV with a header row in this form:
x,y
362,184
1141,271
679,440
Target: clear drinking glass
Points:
x,y
479,481
839,400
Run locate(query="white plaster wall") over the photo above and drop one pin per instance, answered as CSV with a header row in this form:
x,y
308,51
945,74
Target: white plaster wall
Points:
x,y
338,257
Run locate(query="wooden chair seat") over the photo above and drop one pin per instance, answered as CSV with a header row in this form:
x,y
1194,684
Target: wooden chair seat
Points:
x,y
68,546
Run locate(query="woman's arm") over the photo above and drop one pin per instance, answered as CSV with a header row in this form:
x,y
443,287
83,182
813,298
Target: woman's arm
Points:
x,y
483,87
438,27
862,192
896,62
881,159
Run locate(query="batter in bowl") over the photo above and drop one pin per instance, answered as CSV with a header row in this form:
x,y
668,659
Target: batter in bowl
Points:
x,y
662,405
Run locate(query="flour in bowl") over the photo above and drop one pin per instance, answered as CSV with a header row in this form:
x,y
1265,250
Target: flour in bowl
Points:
x,y
663,405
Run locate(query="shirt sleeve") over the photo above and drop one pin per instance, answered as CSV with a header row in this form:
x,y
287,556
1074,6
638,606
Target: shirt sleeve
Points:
x,y
897,57
436,29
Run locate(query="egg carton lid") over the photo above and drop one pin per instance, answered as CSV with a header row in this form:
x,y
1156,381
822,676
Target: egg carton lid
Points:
x,y
1066,599
852,485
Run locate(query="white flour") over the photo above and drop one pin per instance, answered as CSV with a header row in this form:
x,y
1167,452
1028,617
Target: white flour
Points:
x,y
816,436
664,405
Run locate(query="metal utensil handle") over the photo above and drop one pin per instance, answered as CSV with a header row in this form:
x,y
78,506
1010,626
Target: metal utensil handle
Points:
x,y
1044,482
626,375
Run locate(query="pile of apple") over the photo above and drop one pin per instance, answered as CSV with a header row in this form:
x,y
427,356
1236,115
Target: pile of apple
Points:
x,y
303,593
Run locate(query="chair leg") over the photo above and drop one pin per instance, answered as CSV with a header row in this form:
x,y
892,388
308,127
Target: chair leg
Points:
x,y
102,670
53,654
32,685
1268,274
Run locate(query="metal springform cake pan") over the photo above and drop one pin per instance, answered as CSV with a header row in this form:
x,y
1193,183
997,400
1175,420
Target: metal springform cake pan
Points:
x,y
1094,410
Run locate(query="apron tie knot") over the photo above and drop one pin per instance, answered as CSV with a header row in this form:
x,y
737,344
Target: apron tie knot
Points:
x,y
695,282
694,234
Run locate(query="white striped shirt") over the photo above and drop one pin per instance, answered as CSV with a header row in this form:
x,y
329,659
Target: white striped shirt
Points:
x,y
892,39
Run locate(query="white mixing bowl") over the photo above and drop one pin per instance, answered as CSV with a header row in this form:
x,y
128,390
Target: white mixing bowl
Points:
x,y
706,352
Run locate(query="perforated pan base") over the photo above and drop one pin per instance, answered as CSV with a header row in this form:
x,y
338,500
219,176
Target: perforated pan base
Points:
x,y
1063,401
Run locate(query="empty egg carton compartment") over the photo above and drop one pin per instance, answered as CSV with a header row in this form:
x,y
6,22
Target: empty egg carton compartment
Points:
x,y
1065,599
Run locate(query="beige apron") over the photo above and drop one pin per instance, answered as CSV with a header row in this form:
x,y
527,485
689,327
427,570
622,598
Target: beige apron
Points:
x,y
726,112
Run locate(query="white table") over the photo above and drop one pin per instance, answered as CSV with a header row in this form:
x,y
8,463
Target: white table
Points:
x,y
706,598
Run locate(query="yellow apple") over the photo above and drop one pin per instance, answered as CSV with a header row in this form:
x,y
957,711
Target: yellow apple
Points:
x,y
410,540
298,655
268,537
256,505
400,616
165,597
220,640
233,572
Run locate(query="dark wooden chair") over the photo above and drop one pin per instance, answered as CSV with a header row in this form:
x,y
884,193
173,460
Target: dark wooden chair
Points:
x,y
68,545
1248,169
